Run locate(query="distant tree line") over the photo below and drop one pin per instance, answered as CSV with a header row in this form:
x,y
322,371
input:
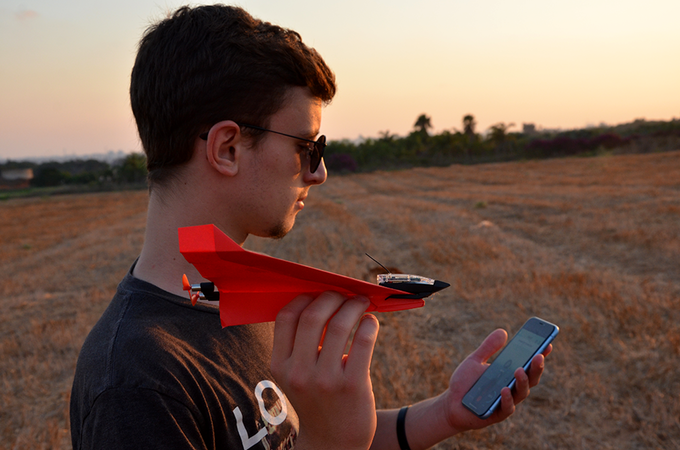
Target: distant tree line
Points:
x,y
130,170
498,143
389,151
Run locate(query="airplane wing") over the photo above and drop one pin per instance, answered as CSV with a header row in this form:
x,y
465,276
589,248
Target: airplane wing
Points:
x,y
253,287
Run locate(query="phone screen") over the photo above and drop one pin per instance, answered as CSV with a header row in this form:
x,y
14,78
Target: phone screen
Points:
x,y
484,396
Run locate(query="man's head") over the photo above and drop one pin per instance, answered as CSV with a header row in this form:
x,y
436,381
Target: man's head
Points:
x,y
211,63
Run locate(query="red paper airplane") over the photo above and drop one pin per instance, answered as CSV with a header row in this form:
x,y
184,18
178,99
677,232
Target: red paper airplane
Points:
x,y
253,287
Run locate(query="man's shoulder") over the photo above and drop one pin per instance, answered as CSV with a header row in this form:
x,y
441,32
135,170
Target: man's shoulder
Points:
x,y
140,331
155,352
151,339
133,350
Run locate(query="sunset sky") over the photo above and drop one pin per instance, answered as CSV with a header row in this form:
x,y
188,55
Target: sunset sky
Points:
x,y
65,65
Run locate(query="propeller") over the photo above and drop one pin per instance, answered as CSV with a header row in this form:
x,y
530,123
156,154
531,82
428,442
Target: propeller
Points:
x,y
189,288
201,291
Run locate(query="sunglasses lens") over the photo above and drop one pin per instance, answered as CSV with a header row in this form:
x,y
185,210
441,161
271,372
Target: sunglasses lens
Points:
x,y
317,154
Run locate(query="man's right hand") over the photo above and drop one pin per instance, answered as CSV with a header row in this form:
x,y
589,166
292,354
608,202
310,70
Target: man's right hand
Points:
x,y
331,391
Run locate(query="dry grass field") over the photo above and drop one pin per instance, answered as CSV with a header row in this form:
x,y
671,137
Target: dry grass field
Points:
x,y
592,244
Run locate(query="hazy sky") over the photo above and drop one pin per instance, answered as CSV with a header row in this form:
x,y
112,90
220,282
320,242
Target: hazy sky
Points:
x,y
65,65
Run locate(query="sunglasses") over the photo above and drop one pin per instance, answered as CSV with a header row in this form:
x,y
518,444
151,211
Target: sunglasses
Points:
x,y
315,150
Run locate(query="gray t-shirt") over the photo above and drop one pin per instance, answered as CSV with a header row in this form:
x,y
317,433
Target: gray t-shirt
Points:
x,y
157,372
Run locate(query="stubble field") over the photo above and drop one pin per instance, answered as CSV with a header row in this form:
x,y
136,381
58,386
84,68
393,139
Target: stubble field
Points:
x,y
591,244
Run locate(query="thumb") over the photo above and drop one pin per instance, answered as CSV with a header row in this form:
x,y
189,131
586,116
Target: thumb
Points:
x,y
490,346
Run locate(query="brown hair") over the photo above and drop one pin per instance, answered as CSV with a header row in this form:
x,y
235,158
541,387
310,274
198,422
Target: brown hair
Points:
x,y
206,64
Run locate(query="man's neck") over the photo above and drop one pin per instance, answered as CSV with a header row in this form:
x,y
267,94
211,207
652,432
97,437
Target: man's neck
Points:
x,y
160,262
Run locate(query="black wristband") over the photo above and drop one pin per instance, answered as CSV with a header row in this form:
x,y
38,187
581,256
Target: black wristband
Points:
x,y
401,429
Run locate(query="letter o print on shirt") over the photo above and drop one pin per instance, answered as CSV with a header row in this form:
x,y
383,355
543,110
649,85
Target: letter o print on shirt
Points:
x,y
273,420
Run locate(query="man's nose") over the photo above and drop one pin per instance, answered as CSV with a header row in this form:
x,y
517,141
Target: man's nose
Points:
x,y
318,176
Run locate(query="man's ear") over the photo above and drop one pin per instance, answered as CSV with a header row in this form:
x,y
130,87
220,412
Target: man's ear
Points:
x,y
223,147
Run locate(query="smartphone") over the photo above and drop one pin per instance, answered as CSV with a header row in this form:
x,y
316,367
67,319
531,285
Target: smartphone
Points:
x,y
485,395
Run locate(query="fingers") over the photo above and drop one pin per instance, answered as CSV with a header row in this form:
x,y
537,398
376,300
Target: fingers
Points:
x,y
507,404
536,369
305,322
326,387
286,326
521,389
339,330
524,381
311,325
510,398
358,361
547,350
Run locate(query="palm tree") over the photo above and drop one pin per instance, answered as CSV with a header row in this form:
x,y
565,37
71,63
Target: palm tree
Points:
x,y
469,131
423,123
498,132
469,125
385,136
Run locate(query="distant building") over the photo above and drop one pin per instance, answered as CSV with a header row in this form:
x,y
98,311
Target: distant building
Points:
x,y
15,178
529,129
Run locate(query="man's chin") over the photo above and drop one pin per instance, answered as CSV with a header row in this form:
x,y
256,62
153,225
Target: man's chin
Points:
x,y
277,232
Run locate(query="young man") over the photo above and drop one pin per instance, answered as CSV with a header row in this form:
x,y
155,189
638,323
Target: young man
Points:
x,y
228,110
